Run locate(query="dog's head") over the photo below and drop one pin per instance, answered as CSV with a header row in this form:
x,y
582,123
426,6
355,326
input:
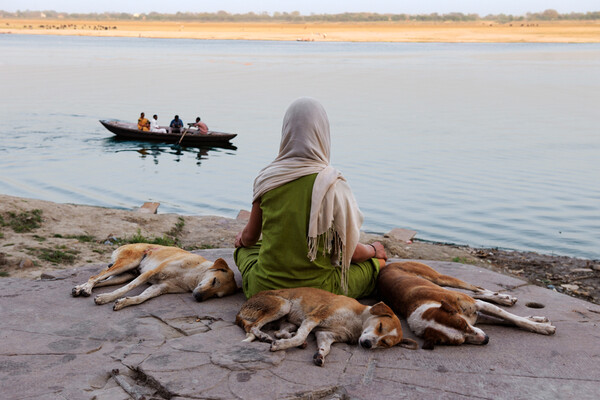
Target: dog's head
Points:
x,y
447,325
217,281
382,329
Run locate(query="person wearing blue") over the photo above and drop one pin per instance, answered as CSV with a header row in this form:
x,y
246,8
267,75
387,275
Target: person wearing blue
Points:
x,y
176,125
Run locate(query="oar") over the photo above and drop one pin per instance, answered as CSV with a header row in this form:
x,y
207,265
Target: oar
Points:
x,y
181,138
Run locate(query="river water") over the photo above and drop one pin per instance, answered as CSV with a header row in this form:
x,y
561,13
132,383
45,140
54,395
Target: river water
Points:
x,y
494,145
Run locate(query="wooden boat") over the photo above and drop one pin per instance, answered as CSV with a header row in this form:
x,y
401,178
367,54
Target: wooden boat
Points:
x,y
129,131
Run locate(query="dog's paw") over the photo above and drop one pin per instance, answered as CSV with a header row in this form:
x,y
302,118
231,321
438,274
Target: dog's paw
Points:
x,y
275,346
80,291
545,329
541,325
318,359
551,329
282,335
263,337
260,335
506,299
102,299
495,297
119,304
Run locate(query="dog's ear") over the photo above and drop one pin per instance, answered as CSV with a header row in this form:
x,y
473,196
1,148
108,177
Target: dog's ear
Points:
x,y
408,344
448,308
220,263
381,309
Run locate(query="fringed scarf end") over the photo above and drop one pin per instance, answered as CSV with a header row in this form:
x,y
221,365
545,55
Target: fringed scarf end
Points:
x,y
332,245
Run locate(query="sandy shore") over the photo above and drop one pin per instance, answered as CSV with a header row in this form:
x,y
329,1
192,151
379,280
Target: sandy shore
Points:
x,y
67,235
484,32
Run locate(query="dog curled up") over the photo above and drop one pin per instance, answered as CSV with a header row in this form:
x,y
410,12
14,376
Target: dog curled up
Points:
x,y
167,269
442,316
333,318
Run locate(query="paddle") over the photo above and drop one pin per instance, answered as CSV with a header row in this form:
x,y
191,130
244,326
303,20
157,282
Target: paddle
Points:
x,y
185,130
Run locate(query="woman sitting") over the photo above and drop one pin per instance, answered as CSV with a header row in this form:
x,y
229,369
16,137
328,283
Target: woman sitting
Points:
x,y
308,217
143,123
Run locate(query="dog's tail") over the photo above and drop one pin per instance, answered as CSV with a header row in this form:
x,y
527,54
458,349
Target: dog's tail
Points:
x,y
409,344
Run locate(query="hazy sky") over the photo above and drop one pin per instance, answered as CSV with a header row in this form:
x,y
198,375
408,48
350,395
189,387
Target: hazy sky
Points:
x,y
481,7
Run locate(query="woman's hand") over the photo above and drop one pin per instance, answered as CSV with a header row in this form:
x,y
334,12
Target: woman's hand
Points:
x,y
238,240
379,251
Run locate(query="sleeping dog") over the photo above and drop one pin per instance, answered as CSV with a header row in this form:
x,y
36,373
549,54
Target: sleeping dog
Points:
x,y
334,318
442,316
168,269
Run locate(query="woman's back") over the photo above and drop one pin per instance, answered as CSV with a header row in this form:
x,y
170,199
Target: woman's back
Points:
x,y
301,205
283,255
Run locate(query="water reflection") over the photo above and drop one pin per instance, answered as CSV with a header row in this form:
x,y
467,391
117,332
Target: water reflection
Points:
x,y
156,150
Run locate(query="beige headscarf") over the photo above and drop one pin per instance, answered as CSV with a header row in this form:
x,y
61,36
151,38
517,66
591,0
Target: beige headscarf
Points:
x,y
335,218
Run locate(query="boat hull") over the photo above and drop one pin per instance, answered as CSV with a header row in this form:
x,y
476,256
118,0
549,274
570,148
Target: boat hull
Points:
x,y
128,131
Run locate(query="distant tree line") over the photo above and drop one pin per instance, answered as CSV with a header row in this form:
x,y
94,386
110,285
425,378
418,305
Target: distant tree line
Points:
x,y
295,16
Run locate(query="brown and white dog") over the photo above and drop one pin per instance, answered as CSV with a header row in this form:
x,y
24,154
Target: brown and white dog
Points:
x,y
334,318
442,316
168,269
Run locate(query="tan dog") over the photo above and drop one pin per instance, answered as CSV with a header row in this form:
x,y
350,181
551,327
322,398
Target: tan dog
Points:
x,y
168,269
333,318
442,316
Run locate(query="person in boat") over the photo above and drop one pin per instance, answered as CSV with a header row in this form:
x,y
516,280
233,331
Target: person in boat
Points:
x,y
176,125
202,127
308,218
143,123
154,127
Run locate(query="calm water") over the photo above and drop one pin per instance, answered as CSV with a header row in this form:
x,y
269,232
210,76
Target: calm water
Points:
x,y
479,144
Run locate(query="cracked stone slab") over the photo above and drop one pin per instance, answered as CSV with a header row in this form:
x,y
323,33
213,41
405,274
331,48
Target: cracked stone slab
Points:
x,y
247,356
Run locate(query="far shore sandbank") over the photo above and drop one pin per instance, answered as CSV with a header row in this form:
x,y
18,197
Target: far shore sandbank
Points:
x,y
444,32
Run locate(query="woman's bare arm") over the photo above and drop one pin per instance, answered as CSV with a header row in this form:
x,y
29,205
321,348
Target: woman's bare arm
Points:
x,y
365,251
251,232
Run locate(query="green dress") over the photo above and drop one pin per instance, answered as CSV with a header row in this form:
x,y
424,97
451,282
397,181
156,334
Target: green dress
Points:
x,y
280,259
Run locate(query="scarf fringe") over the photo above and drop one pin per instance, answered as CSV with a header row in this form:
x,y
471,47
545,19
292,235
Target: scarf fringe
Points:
x,y
332,245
